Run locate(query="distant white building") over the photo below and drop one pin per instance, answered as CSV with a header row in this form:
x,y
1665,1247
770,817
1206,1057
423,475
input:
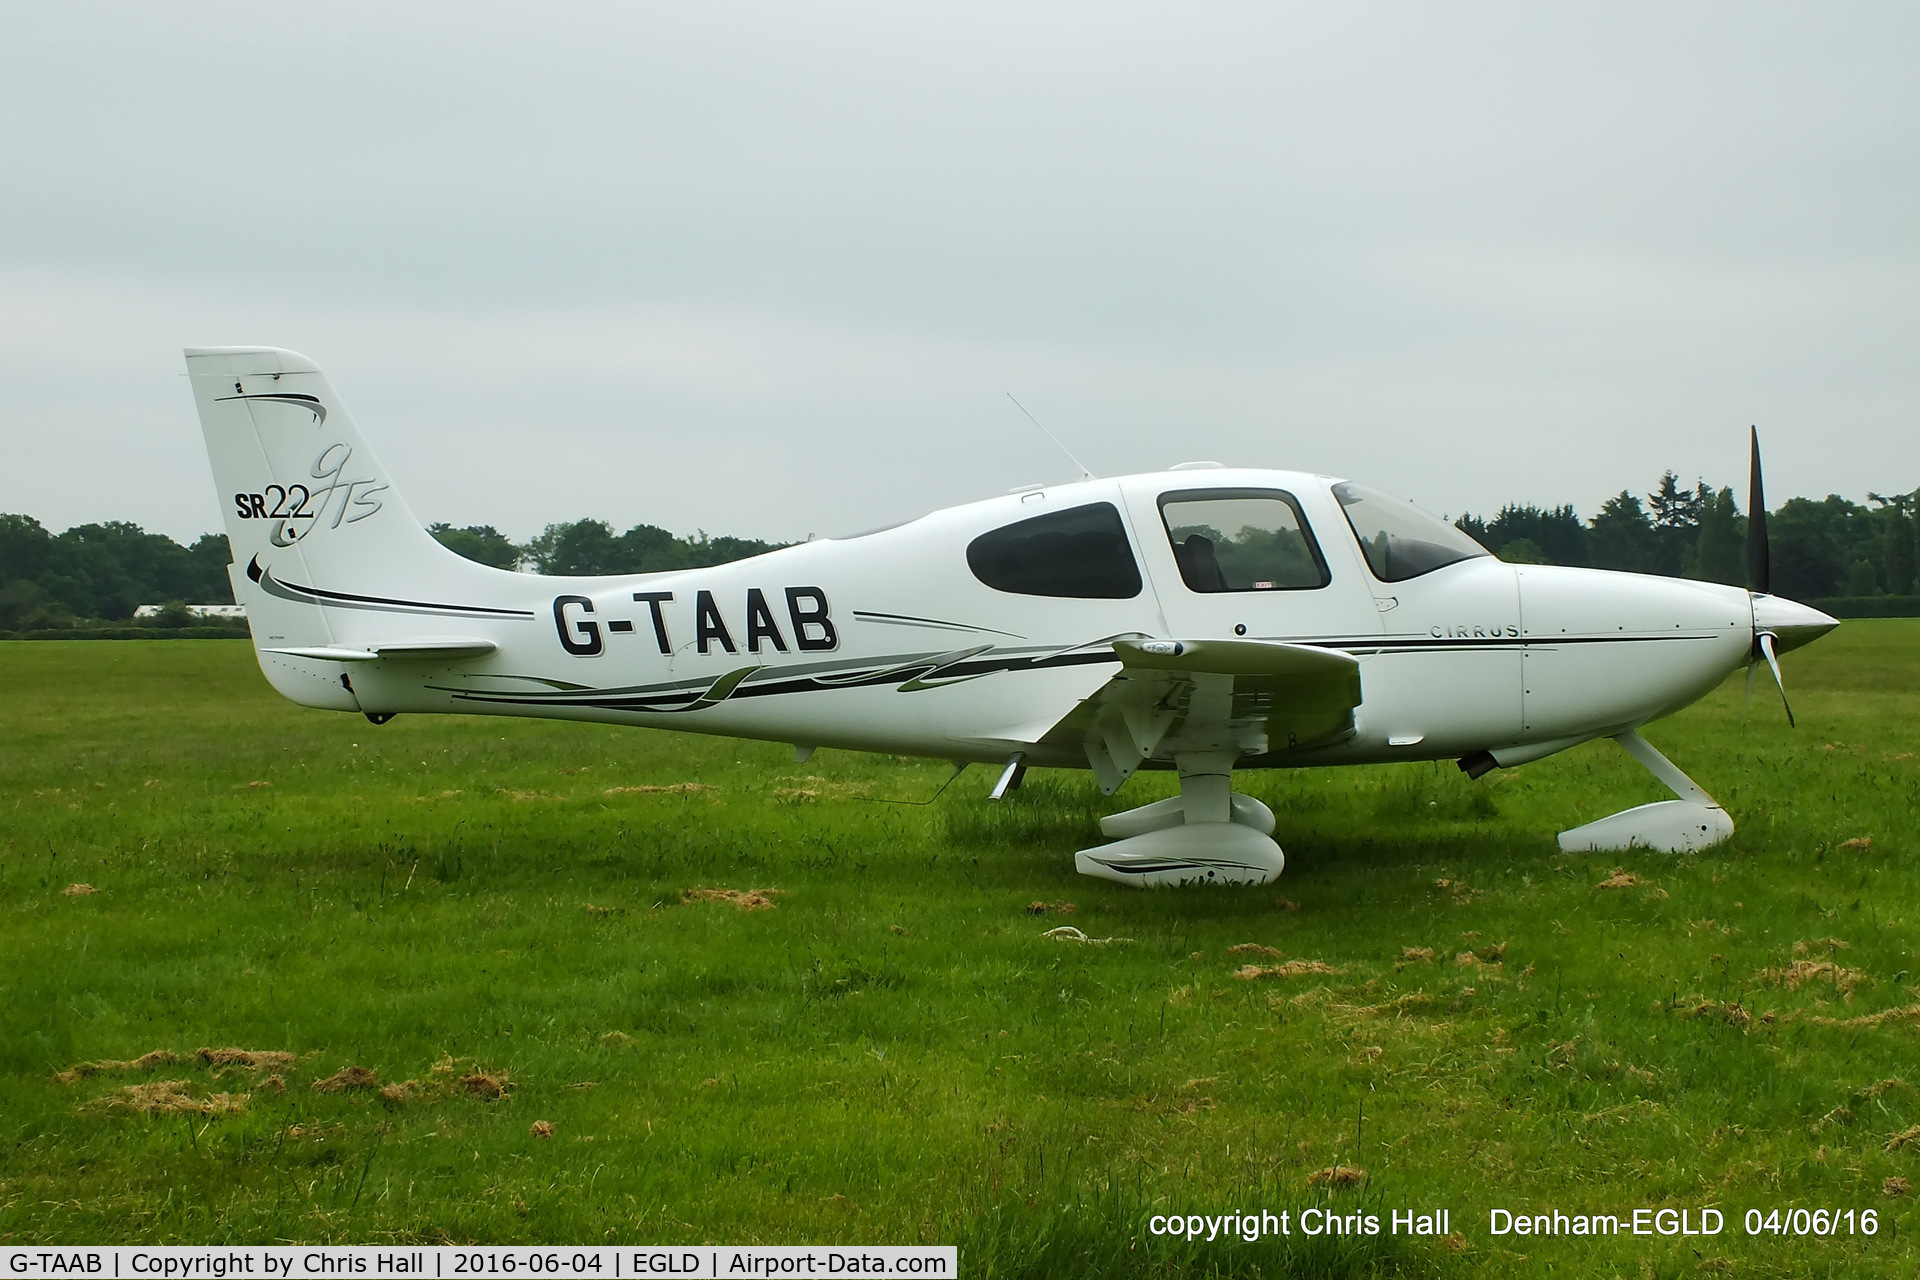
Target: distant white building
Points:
x,y
195,610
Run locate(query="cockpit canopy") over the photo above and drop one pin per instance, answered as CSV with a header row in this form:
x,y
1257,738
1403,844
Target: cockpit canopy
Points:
x,y
1222,539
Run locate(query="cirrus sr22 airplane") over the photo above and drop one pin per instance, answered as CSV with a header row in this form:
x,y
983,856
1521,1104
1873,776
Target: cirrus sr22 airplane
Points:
x,y
1200,620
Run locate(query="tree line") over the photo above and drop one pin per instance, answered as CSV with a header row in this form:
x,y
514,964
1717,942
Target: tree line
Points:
x,y
587,547
96,574
1832,548
101,572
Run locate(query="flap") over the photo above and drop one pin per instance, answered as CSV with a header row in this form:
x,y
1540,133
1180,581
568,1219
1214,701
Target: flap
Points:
x,y
1237,658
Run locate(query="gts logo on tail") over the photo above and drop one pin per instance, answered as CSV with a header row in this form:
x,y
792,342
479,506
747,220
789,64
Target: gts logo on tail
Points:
x,y
329,474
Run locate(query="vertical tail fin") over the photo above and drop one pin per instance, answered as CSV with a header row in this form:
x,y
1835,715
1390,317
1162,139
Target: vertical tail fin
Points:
x,y
313,520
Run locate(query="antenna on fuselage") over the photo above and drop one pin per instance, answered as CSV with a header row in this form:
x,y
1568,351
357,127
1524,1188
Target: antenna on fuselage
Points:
x,y
1086,473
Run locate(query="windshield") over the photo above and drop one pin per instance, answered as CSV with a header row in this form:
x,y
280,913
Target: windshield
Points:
x,y
1400,540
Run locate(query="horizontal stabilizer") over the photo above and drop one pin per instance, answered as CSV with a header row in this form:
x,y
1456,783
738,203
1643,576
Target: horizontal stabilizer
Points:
x,y
445,648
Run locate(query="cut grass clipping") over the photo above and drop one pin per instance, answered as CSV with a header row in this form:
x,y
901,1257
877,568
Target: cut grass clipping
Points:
x,y
478,980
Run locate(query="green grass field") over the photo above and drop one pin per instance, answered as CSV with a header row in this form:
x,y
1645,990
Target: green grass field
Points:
x,y
507,914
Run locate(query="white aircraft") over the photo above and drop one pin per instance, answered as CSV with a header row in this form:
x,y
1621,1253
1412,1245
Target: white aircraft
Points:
x,y
1202,619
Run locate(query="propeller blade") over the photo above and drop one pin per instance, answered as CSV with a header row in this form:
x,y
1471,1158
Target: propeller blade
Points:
x,y
1759,563
1773,661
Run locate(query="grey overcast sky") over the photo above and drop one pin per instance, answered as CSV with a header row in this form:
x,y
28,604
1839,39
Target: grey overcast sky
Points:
x,y
772,269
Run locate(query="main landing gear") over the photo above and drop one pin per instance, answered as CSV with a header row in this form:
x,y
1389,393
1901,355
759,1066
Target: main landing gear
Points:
x,y
1207,834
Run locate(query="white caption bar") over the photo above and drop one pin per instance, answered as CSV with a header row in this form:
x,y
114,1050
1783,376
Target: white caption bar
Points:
x,y
284,1262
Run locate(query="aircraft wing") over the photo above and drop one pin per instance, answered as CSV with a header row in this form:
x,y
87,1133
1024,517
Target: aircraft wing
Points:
x,y
1253,697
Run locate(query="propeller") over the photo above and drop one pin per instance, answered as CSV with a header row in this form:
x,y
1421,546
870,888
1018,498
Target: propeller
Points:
x,y
1760,573
1765,642
1759,563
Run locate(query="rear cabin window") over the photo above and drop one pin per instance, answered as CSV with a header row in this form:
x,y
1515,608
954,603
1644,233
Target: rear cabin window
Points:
x,y
1081,553
1242,540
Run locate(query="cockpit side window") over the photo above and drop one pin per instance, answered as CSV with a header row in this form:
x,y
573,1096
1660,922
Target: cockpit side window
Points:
x,y
1080,553
1242,540
1399,539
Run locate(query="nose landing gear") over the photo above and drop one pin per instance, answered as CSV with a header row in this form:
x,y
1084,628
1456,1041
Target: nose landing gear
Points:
x,y
1695,821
